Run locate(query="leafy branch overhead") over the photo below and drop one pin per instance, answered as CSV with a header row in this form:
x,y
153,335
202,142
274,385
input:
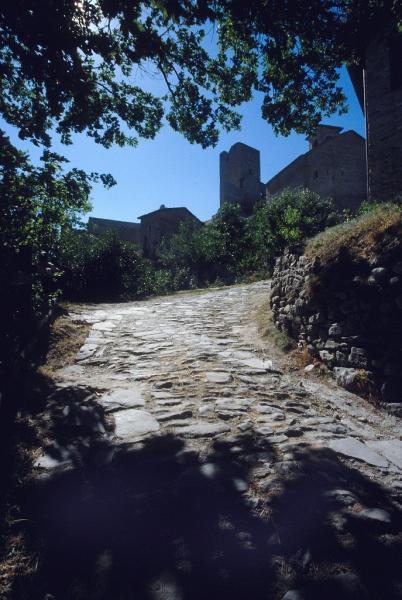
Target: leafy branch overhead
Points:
x,y
76,65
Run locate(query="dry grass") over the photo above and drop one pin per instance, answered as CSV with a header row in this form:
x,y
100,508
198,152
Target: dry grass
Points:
x,y
376,232
300,358
66,338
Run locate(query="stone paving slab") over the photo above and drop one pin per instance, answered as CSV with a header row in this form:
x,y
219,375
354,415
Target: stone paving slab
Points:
x,y
132,425
122,398
391,449
203,430
352,448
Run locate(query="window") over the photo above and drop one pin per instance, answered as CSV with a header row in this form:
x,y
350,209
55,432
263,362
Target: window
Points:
x,y
316,174
395,61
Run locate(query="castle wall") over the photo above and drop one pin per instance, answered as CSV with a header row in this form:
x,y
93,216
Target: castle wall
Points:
x,y
336,168
126,231
240,179
383,96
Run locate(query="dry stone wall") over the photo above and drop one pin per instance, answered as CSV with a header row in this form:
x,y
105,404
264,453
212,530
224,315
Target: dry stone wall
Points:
x,y
347,314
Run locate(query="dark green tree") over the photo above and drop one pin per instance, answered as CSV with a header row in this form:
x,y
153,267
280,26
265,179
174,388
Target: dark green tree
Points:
x,y
228,240
215,251
95,268
37,201
70,66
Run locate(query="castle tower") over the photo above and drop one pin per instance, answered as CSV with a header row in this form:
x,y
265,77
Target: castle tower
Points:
x,y
240,177
324,133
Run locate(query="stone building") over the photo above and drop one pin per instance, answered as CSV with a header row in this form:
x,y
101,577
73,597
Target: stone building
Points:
x,y
162,224
334,166
153,227
378,87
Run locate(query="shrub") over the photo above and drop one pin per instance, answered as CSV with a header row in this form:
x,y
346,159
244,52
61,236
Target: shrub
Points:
x,y
163,282
199,256
102,267
286,221
232,248
185,256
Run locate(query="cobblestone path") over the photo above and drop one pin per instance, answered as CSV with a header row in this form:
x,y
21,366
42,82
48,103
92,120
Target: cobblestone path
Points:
x,y
196,466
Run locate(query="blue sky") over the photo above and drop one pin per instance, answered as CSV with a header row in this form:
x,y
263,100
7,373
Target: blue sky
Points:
x,y
169,170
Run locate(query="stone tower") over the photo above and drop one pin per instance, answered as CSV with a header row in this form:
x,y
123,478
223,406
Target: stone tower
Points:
x,y
324,133
240,177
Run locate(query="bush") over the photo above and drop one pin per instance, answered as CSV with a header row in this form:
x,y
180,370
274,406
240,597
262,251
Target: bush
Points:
x,y
286,221
102,268
200,256
162,282
232,248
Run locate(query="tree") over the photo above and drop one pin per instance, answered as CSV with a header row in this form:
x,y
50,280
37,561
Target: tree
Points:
x,y
228,242
36,203
205,254
71,66
94,268
298,49
74,66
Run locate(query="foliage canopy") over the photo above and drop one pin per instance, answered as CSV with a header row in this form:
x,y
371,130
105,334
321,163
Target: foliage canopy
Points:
x,y
75,66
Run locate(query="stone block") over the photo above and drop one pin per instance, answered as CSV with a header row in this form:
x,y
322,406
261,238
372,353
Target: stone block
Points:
x,y
379,273
358,357
326,356
353,380
335,330
331,345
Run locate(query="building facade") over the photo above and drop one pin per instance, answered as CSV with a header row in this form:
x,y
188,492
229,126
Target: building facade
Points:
x,y
161,224
126,231
334,166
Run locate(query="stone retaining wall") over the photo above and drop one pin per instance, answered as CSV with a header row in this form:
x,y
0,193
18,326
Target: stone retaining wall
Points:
x,y
347,314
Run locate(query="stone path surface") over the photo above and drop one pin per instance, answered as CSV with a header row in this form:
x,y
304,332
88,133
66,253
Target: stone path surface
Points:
x,y
200,467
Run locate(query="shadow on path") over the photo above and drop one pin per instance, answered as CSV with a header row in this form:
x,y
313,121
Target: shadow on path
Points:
x,y
158,523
